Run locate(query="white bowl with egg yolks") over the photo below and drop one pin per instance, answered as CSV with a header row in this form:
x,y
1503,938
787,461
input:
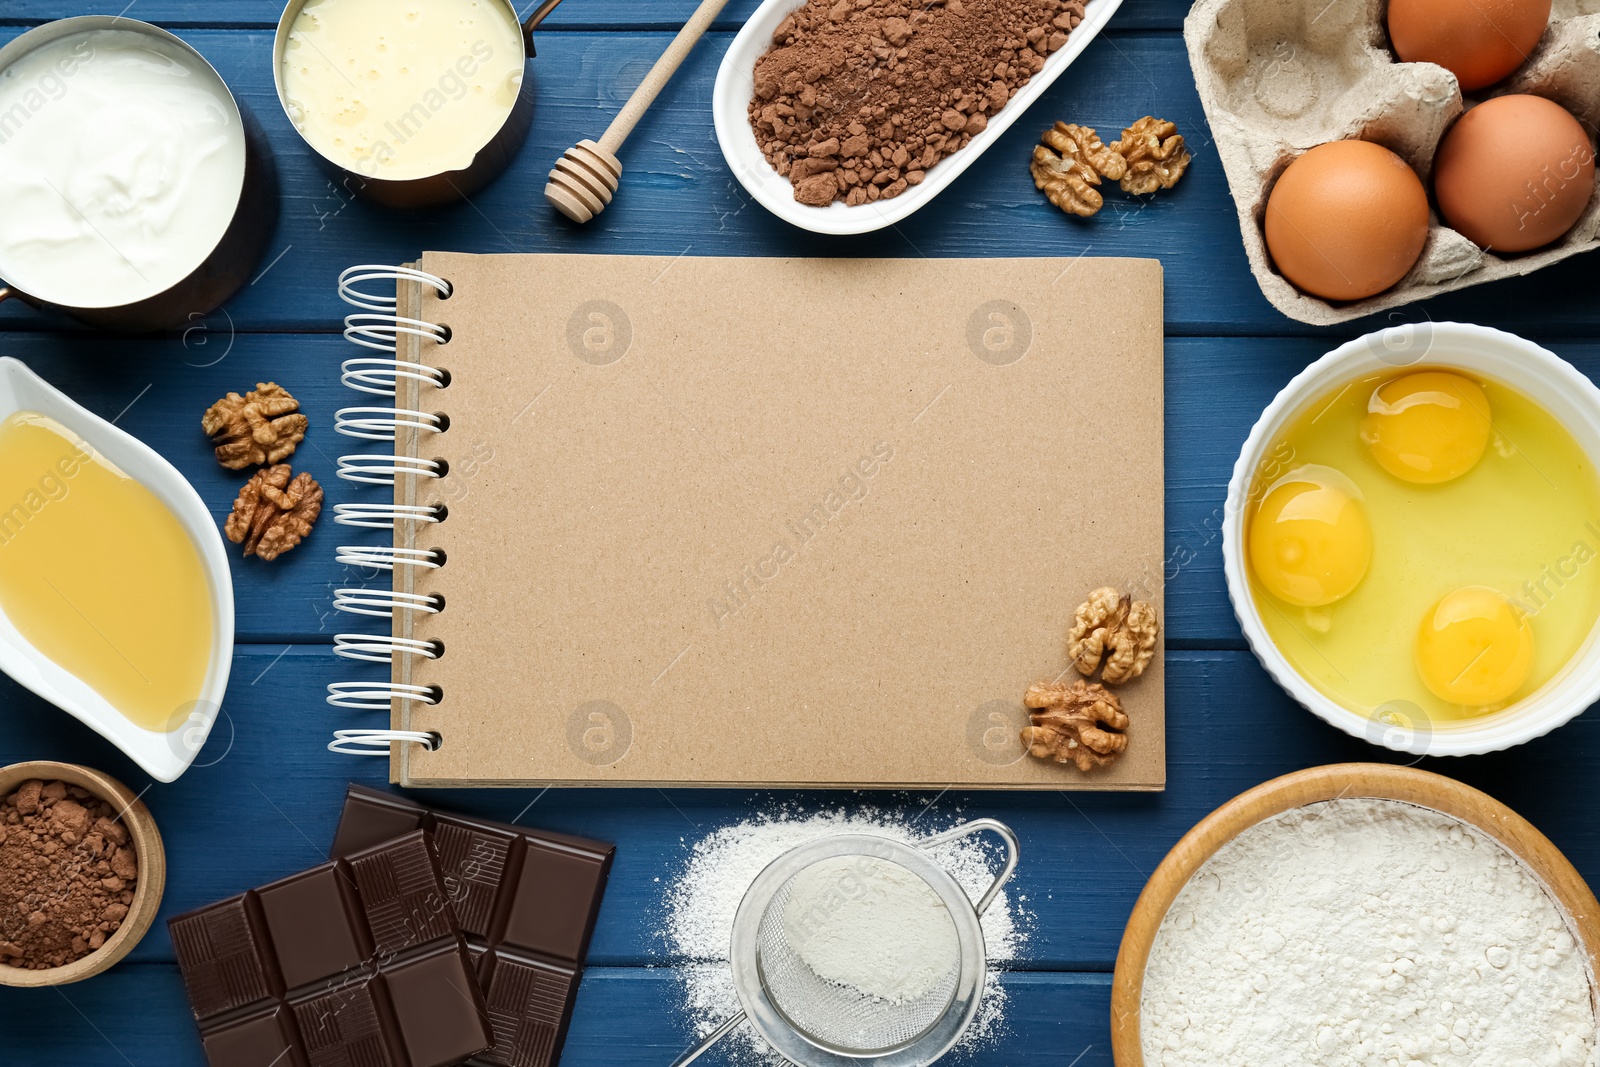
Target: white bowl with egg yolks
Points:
x,y
1565,393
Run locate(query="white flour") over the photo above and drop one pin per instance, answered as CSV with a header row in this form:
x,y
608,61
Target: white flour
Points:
x,y
1365,933
700,903
872,925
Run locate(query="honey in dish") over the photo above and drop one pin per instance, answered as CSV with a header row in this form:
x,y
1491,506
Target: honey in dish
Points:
x,y
98,575
1423,537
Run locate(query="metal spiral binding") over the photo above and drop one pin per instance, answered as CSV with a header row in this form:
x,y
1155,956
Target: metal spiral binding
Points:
x,y
378,376
380,424
384,516
380,742
377,696
382,332
381,648
356,276
387,557
377,325
382,470
383,603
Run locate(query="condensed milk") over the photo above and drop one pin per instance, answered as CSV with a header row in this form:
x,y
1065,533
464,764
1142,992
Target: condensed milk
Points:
x,y
122,162
399,90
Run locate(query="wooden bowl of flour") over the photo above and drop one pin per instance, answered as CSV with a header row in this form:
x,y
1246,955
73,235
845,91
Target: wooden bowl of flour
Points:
x,y
1319,784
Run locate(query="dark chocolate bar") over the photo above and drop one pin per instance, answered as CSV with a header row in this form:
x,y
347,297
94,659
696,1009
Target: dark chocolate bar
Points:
x,y
356,963
525,899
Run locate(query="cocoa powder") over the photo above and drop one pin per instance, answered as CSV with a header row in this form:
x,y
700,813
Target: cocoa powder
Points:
x,y
67,872
856,99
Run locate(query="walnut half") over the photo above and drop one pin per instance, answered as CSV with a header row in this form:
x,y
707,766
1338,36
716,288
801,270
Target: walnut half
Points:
x,y
263,426
274,511
1069,162
1115,628
1079,723
1155,154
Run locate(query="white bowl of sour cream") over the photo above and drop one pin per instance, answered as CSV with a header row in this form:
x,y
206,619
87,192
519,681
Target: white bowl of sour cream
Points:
x,y
123,167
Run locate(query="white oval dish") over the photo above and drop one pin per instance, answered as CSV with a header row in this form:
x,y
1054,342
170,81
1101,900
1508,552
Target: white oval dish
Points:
x,y
164,756
1558,387
730,100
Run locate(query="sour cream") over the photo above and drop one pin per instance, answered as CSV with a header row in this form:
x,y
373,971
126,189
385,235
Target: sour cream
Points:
x,y
401,89
121,164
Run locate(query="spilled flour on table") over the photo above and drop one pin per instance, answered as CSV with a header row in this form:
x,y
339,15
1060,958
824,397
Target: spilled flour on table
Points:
x,y
700,903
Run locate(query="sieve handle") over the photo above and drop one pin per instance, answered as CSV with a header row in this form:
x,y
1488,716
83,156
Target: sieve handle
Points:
x,y
1000,830
703,1047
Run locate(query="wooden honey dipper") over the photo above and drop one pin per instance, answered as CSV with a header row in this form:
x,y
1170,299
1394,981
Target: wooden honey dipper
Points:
x,y
585,177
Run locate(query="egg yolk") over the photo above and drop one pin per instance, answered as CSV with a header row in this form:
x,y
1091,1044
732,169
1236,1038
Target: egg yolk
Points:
x,y
1309,541
1474,647
1427,427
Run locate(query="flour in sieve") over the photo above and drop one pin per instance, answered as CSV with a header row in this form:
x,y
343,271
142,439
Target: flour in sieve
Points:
x,y
699,906
871,925
1366,933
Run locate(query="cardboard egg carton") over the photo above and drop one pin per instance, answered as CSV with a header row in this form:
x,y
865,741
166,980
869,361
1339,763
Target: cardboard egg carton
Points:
x,y
1279,77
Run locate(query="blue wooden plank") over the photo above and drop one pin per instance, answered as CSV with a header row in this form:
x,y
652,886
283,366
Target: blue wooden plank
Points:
x,y
1215,390
575,14
265,798
136,1017
157,390
679,196
265,801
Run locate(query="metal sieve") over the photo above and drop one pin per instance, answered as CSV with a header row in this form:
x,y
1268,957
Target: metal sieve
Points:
x,y
814,1022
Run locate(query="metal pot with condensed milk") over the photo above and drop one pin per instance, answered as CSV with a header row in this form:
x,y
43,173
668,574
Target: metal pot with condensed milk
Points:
x,y
412,102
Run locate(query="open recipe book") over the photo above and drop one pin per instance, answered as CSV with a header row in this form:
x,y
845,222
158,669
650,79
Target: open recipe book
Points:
x,y
757,521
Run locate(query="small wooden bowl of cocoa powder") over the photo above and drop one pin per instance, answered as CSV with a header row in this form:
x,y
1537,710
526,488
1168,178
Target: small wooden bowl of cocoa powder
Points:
x,y
82,870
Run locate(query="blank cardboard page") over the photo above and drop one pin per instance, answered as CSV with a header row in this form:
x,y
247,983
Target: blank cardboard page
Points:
x,y
778,522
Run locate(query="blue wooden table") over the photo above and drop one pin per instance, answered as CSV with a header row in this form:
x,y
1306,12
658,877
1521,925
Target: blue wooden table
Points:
x,y
265,803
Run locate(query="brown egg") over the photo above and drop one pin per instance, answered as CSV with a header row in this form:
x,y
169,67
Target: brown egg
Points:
x,y
1514,173
1346,220
1479,41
